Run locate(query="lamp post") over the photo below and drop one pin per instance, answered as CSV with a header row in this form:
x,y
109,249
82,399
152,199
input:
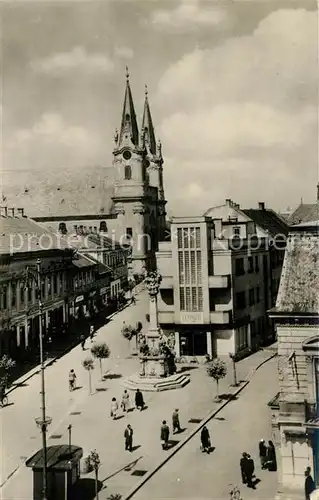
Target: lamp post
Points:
x,y
33,275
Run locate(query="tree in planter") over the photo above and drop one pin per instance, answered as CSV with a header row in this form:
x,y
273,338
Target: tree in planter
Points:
x,y
217,369
88,364
100,351
6,365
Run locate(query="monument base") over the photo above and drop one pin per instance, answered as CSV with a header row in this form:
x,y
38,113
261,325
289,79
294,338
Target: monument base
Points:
x,y
152,384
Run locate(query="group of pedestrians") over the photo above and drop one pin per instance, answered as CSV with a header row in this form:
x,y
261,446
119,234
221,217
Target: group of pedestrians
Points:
x,y
125,404
267,455
165,431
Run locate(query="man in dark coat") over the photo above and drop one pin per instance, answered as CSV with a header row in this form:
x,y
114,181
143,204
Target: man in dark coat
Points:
x,y
139,401
262,453
175,421
309,484
243,468
128,436
250,471
164,435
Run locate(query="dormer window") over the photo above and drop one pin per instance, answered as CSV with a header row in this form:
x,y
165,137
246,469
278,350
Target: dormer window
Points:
x,y
127,172
127,117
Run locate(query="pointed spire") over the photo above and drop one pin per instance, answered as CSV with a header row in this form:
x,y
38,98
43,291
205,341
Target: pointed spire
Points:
x,y
129,124
147,125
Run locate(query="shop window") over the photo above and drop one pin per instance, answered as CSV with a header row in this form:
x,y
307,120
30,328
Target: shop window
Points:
x,y
242,338
239,267
240,300
251,297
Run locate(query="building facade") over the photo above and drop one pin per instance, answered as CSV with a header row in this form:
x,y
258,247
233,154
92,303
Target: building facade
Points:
x,y
217,284
295,409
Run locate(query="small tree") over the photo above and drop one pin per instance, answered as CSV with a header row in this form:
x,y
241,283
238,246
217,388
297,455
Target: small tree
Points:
x,y
100,351
217,369
88,364
129,332
6,365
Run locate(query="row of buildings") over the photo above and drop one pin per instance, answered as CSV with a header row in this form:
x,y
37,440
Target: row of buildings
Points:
x,y
77,280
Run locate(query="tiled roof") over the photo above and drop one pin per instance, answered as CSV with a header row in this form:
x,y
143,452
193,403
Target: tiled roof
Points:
x,y
60,192
268,220
24,235
299,283
305,213
82,261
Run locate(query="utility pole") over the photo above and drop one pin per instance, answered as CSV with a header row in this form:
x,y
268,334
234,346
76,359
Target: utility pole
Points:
x,y
70,434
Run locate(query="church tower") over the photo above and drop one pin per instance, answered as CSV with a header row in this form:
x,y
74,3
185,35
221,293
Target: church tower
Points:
x,y
131,197
154,162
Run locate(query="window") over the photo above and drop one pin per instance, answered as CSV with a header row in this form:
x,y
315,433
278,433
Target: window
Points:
x,y
236,231
3,297
103,227
251,297
129,232
62,228
55,284
250,264
239,267
21,293
258,294
240,300
256,264
13,295
127,172
242,337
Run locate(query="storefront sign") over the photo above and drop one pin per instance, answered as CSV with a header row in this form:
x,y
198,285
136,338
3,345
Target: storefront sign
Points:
x,y
103,290
192,318
92,293
79,299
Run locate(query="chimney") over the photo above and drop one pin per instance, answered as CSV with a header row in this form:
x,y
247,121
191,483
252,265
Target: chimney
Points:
x,y
261,205
12,212
228,202
4,211
20,212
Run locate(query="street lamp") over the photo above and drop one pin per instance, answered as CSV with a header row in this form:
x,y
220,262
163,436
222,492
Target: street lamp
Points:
x,y
33,275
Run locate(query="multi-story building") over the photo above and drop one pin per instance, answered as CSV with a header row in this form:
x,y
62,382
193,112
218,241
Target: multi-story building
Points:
x,y
295,409
217,283
70,285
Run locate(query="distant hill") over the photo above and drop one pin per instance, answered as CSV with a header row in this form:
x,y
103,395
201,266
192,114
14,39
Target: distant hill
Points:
x,y
59,192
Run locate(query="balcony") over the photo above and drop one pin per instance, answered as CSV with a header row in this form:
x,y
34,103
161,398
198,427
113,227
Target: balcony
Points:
x,y
312,415
218,281
220,317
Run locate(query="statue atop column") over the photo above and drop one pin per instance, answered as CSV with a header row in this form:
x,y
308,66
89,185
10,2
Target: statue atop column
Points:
x,y
153,280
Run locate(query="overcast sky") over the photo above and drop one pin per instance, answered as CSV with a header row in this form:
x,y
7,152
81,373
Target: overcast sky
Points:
x,y
232,88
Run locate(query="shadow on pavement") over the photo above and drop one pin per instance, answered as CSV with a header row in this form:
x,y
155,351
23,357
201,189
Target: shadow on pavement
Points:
x,y
219,418
136,447
126,468
84,489
171,443
228,397
186,369
112,376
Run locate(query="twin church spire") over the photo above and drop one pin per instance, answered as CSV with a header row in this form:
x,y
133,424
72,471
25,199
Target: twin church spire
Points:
x,y
129,133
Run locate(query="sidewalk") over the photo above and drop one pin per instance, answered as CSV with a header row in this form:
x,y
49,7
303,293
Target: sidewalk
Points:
x,y
93,427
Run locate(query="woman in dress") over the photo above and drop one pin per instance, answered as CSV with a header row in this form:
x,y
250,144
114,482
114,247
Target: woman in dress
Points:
x,y
114,408
125,401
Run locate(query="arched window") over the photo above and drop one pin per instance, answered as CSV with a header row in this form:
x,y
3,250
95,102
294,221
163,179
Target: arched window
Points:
x,y
128,172
127,117
62,228
103,227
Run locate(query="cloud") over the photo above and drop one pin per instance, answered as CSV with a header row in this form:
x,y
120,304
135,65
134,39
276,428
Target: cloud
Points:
x,y
78,59
249,116
50,143
189,15
124,52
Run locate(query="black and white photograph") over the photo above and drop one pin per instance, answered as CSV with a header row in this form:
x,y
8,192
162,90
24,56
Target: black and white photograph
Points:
x,y
159,250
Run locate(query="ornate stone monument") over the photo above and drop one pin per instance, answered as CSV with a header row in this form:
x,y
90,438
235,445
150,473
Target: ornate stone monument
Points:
x,y
154,373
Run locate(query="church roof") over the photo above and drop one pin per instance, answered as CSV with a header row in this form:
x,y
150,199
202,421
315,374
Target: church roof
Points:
x,y
147,126
305,213
60,192
299,283
129,122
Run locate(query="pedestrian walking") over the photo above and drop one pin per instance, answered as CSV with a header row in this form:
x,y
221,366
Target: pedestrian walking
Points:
x,y
250,471
164,435
125,404
271,462
72,380
243,467
128,437
175,421
262,453
133,300
114,408
91,332
82,338
205,440
139,400
309,483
